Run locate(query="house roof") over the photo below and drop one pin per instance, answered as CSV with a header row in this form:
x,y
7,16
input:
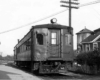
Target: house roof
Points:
x,y
85,30
97,30
91,38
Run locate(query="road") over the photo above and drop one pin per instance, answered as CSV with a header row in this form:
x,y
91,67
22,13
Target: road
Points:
x,y
11,72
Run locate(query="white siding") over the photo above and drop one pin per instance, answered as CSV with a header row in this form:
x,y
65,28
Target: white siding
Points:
x,y
81,37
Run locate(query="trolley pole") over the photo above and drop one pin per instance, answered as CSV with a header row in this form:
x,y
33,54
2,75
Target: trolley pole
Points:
x,y
74,2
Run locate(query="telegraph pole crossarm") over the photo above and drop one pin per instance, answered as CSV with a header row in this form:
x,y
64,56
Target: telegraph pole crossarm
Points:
x,y
69,2
70,7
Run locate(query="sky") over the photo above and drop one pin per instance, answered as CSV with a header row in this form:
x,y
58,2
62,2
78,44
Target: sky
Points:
x,y
18,13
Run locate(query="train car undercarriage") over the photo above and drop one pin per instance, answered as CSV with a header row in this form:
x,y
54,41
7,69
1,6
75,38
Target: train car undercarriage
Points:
x,y
50,67
45,67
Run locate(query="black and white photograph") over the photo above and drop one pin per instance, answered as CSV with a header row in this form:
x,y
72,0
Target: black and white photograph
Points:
x,y
49,39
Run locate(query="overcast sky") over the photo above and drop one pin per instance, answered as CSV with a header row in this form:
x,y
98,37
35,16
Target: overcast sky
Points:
x,y
16,13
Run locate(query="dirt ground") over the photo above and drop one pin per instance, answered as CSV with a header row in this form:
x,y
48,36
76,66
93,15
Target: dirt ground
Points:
x,y
8,71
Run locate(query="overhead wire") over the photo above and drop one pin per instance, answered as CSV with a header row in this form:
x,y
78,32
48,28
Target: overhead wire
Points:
x,y
82,5
96,11
34,21
90,3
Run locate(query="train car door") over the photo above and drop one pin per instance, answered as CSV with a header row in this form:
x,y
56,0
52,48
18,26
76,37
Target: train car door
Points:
x,y
55,43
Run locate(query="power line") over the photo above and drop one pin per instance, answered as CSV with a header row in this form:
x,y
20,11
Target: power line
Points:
x,y
82,5
34,21
87,4
96,13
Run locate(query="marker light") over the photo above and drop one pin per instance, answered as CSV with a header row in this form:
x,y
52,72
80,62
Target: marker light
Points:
x,y
54,20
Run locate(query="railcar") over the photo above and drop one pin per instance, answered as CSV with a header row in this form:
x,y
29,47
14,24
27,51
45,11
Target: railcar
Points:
x,y
46,48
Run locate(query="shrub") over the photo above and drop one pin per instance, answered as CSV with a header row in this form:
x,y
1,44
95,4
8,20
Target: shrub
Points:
x,y
90,58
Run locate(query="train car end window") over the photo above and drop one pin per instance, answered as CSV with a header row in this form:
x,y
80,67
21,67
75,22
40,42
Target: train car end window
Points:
x,y
68,39
53,38
39,38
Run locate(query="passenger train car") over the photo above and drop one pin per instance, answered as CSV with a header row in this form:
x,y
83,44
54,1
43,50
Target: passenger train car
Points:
x,y
45,48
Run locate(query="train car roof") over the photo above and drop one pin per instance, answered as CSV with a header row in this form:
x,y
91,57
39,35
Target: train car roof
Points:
x,y
51,26
55,26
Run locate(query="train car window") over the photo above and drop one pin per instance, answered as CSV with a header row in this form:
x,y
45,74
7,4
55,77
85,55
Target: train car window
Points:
x,y
28,44
21,48
39,38
68,39
18,50
53,38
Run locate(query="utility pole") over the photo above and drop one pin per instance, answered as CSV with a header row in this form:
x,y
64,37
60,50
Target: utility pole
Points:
x,y
74,2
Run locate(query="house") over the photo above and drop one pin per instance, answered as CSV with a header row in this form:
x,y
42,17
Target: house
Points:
x,y
82,35
91,42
